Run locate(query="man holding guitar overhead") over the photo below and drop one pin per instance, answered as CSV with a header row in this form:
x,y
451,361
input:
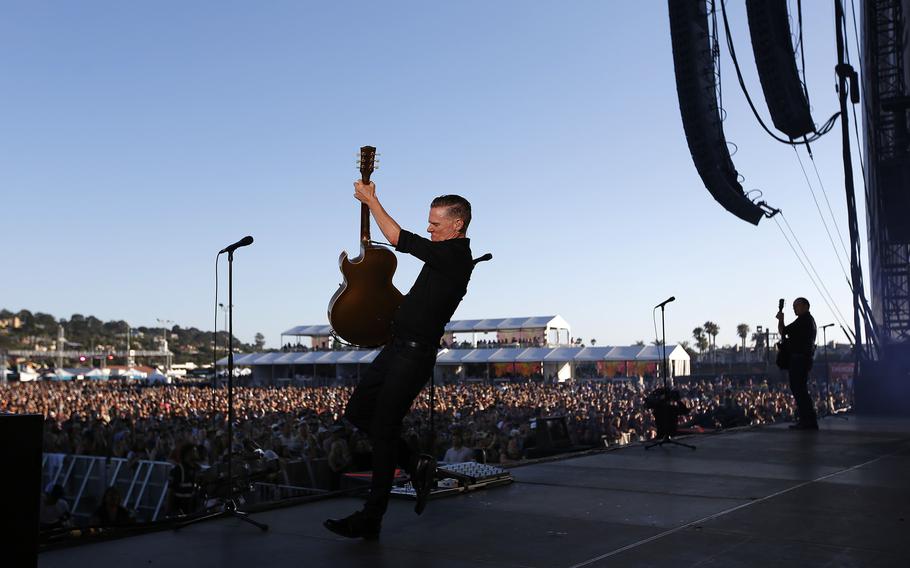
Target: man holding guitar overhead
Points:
x,y
395,378
798,340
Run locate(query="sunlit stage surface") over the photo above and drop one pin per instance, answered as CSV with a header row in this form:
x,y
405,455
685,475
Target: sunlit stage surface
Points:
x,y
756,497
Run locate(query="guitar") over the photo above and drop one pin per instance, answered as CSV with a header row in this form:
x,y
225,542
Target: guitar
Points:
x,y
361,310
783,349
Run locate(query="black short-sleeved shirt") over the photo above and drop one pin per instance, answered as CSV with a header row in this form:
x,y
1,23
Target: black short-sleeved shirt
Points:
x,y
801,335
439,288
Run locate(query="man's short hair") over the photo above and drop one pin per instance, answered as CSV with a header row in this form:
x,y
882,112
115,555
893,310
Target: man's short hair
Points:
x,y
803,300
456,206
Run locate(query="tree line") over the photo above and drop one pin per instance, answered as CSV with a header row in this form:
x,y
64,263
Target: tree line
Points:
x,y
27,330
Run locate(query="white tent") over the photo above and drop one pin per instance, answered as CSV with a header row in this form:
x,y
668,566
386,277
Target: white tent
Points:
x,y
60,375
96,374
157,377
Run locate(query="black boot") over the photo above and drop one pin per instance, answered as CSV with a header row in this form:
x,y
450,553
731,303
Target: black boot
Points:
x,y
423,480
356,525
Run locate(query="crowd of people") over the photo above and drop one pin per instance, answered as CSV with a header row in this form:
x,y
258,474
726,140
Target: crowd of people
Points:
x,y
151,422
483,422
496,343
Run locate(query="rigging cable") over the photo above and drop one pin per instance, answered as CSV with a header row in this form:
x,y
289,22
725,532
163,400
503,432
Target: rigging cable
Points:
x,y
811,265
859,149
809,274
821,215
825,195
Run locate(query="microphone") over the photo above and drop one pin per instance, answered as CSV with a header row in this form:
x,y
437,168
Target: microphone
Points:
x,y
665,302
483,258
826,326
245,241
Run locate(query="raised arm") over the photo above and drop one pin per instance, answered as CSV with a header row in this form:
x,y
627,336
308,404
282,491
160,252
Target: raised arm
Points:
x,y
366,193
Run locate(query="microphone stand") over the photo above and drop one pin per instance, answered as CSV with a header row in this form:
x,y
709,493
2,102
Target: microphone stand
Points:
x,y
230,506
668,438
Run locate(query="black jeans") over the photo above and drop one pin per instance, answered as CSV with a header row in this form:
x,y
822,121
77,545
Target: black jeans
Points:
x,y
800,365
379,404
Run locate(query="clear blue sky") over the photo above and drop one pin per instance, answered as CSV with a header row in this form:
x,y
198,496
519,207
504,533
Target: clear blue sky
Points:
x,y
138,138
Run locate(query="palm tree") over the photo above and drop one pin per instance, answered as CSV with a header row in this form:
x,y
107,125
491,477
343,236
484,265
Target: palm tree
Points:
x,y
593,342
700,340
712,329
742,330
688,347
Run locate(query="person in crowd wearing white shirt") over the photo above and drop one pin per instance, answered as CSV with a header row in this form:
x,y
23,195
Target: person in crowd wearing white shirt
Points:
x,y
458,453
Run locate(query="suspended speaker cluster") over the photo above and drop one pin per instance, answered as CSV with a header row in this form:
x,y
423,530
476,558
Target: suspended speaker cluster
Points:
x,y
775,59
696,87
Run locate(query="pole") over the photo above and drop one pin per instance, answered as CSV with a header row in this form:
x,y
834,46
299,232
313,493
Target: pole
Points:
x,y
61,343
843,72
230,367
828,401
663,328
767,348
230,506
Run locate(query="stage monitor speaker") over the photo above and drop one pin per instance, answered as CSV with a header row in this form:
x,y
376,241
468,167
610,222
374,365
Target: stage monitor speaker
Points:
x,y
20,487
775,59
696,89
551,433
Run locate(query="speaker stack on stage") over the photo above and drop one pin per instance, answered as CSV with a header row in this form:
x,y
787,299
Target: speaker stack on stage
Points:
x,y
20,487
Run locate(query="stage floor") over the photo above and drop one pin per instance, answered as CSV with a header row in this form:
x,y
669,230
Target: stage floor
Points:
x,y
759,497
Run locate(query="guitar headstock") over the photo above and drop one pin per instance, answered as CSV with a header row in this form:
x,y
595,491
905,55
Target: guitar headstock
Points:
x,y
780,305
367,162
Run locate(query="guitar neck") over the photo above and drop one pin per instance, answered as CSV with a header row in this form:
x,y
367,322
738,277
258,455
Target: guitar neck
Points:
x,y
367,163
364,223
365,212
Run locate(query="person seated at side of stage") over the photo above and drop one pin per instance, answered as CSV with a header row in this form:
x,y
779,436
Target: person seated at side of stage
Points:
x,y
111,513
55,511
458,452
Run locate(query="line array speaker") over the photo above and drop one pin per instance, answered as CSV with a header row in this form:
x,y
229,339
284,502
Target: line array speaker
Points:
x,y
775,59
696,88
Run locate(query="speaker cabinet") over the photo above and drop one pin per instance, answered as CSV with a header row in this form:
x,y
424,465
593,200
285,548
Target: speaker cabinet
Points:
x,y
20,487
696,87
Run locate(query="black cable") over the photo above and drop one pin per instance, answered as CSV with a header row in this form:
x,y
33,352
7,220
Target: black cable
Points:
x,y
862,164
654,321
802,50
819,132
215,352
715,53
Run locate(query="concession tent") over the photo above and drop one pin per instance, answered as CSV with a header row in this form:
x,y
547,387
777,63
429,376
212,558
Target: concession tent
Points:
x,y
554,330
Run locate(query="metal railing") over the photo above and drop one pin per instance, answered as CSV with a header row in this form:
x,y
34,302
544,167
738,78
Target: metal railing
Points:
x,y
142,483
